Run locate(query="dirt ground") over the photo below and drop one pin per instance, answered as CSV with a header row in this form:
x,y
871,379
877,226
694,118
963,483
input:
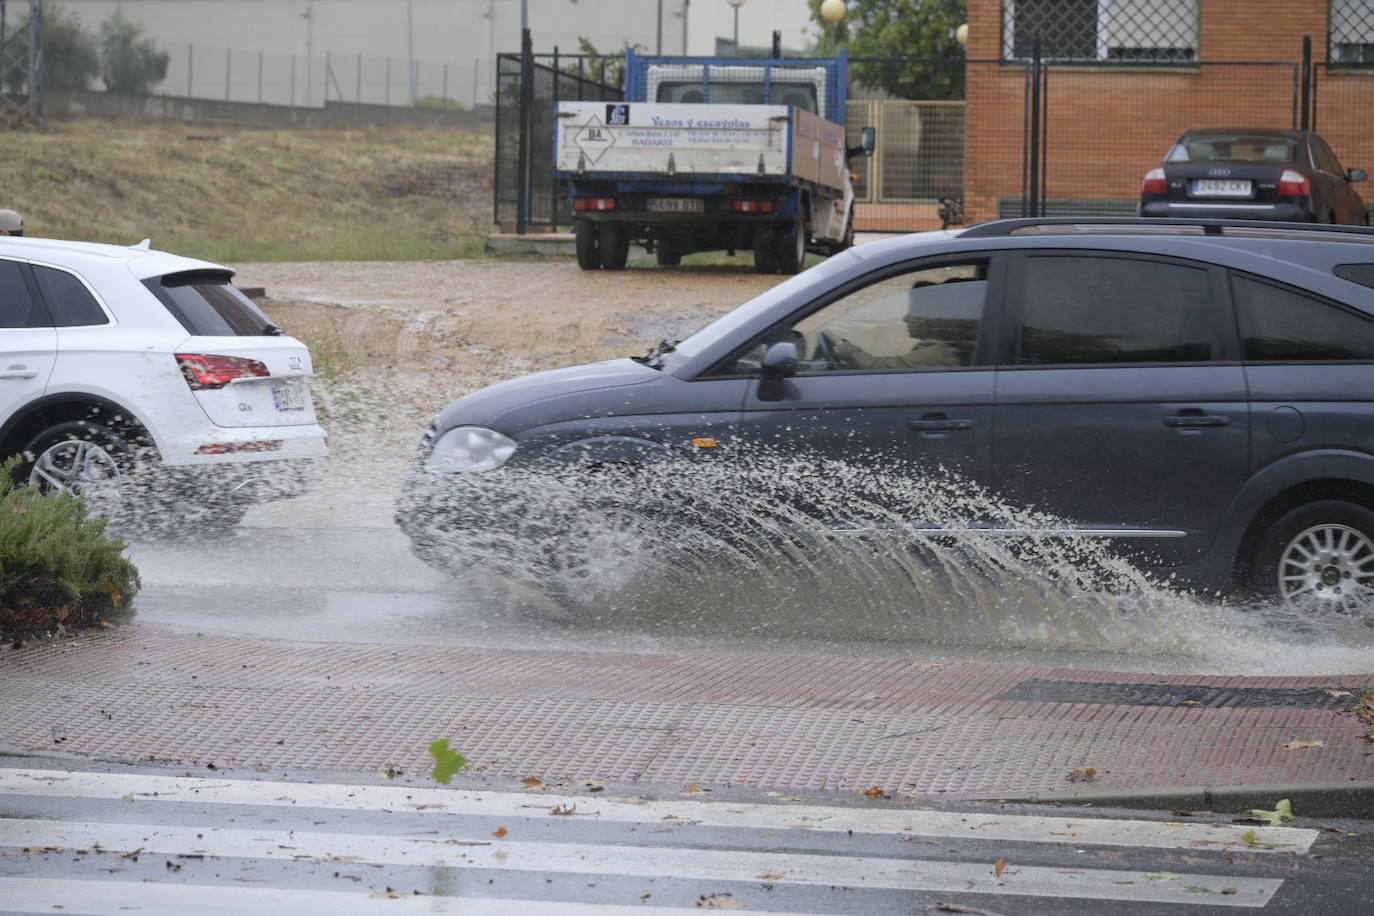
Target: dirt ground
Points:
x,y
394,342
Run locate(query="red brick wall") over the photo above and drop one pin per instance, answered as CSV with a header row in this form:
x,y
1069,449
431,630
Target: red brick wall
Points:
x,y
1107,125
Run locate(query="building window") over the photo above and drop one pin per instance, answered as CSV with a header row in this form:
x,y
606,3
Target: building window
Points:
x,y
1104,30
1351,39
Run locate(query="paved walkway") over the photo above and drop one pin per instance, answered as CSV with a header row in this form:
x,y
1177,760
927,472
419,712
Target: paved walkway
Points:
x,y
143,693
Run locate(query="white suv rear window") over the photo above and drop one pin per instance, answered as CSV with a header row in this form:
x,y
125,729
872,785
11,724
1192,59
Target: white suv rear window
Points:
x,y
208,305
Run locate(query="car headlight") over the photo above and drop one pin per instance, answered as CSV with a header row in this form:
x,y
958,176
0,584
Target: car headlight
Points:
x,y
469,448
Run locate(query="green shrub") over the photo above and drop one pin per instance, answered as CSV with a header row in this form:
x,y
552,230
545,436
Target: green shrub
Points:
x,y
58,569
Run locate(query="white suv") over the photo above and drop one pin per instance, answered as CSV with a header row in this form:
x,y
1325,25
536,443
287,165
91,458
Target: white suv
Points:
x,y
149,384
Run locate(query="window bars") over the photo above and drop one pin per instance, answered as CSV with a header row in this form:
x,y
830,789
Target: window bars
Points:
x,y
1127,31
1351,33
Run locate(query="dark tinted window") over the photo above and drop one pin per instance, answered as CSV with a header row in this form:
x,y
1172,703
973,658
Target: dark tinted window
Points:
x,y
17,308
1234,148
208,305
1114,310
1282,324
69,302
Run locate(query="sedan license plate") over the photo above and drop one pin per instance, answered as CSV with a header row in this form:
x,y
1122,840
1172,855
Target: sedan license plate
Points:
x,y
677,205
288,397
1221,187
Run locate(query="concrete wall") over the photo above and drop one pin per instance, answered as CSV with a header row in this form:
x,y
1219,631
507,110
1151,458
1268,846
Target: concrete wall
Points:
x,y
208,111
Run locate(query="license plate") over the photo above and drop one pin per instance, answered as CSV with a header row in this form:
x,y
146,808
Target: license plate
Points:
x,y
288,397
1221,187
677,205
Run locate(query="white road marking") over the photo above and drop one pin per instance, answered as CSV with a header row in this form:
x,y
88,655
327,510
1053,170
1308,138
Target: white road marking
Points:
x,y
1077,831
118,898
863,872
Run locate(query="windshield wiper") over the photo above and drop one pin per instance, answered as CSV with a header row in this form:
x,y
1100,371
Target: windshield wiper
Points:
x,y
654,358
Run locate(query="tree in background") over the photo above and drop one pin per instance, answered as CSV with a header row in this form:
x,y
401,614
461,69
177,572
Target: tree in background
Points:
x,y
70,57
133,64
899,29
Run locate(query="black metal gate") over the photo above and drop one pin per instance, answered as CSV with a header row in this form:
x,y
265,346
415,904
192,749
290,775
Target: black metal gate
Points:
x,y
528,89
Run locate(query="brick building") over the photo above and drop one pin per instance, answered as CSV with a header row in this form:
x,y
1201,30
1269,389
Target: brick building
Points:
x,y
1126,77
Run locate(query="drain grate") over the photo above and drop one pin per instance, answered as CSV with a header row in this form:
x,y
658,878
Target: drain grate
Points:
x,y
1182,695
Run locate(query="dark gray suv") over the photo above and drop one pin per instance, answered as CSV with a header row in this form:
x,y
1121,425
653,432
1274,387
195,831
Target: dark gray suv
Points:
x,y
1199,395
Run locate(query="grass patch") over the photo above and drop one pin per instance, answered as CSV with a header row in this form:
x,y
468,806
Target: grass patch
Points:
x,y
238,194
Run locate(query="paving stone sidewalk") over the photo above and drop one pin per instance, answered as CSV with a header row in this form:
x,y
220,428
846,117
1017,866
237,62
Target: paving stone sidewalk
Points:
x,y
147,694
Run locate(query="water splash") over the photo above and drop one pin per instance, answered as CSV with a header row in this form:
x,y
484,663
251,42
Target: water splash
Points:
x,y
782,546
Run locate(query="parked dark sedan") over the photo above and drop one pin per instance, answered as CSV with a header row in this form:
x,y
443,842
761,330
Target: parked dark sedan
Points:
x,y
1253,174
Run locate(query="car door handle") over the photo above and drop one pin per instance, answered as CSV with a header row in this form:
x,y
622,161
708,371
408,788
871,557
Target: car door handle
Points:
x,y
938,425
18,372
1197,420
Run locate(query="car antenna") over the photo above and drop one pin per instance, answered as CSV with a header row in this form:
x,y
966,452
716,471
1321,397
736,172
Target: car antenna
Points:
x,y
144,245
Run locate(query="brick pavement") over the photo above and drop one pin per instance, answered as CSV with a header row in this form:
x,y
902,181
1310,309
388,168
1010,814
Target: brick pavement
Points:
x,y
143,693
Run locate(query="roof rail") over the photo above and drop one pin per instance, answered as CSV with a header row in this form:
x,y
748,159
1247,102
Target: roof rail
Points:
x,y
1002,227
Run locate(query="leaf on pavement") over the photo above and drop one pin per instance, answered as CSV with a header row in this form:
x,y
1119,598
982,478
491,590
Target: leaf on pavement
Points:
x,y
1282,812
499,832
770,877
1295,745
1340,693
562,809
1163,876
723,901
533,782
446,762
998,867
876,792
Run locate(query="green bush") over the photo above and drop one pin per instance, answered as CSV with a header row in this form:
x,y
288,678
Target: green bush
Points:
x,y
59,570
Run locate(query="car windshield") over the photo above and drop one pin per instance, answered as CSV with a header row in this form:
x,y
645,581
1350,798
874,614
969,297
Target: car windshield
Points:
x,y
1234,148
800,95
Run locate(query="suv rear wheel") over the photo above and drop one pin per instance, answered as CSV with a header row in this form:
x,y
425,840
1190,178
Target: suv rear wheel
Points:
x,y
1318,558
83,459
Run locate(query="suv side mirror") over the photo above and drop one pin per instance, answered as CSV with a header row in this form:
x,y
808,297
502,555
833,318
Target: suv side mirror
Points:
x,y
779,362
868,140
1355,175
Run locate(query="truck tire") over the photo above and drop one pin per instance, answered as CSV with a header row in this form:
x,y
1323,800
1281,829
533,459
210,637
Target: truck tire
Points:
x,y
791,247
614,243
765,251
588,257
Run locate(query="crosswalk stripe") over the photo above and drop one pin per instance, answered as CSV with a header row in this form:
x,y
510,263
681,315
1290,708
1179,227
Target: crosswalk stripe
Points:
x,y
639,861
992,826
118,898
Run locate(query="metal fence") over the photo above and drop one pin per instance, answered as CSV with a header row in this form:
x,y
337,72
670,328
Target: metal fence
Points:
x,y
528,90
235,75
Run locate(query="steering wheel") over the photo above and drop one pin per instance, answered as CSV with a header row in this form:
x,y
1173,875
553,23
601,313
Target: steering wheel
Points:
x,y
825,349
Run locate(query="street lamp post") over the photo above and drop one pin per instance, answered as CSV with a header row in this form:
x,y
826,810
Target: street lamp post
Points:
x,y
833,12
736,4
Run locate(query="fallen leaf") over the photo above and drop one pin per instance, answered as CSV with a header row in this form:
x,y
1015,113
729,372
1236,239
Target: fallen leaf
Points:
x,y
532,782
876,792
998,867
1087,774
694,789
560,809
446,762
1339,693
724,901
499,832
1295,745
770,877
1162,876
960,908
936,666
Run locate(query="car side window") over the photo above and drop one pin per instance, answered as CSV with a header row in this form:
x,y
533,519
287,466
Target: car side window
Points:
x,y
920,319
1104,310
70,303
1278,324
1327,159
18,309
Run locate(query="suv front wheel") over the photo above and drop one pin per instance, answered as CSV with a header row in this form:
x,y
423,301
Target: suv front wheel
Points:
x,y
1318,558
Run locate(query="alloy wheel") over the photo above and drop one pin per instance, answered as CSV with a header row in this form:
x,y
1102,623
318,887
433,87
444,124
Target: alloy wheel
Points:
x,y
83,469
1328,567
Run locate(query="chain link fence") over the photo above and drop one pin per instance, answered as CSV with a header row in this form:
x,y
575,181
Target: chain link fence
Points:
x,y
1102,30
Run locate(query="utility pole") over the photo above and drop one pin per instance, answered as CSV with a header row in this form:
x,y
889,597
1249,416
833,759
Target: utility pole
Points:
x,y
410,47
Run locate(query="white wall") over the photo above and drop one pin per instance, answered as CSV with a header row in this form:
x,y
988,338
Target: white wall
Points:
x,y
462,34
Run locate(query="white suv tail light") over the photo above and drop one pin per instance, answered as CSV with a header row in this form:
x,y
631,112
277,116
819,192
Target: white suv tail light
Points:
x,y
207,371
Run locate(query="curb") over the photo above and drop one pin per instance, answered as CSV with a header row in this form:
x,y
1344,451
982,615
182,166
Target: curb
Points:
x,y
1336,799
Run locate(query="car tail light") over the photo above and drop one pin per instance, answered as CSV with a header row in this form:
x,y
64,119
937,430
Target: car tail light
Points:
x,y
752,206
1293,184
205,371
594,203
1155,182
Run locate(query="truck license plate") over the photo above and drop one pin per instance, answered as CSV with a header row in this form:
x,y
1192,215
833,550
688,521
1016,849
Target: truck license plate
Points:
x,y
677,205
1218,187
